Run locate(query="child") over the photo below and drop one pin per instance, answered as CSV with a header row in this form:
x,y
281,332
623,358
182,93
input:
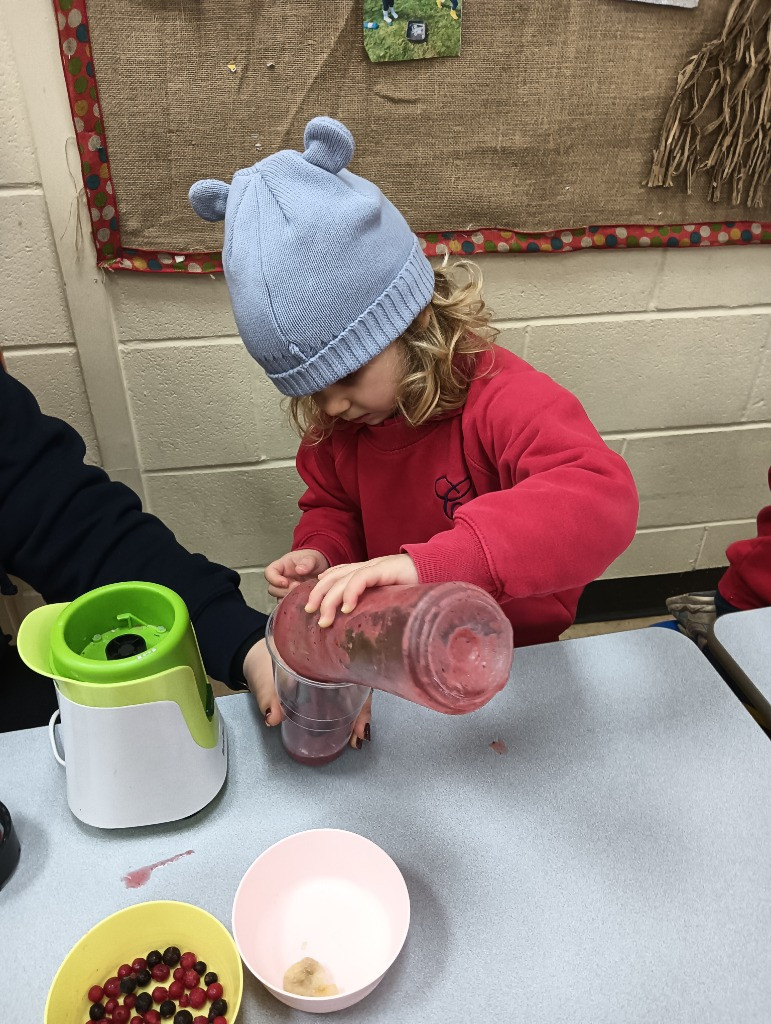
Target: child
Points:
x,y
429,454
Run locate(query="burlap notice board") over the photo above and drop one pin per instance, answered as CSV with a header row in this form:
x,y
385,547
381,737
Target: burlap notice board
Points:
x,y
546,121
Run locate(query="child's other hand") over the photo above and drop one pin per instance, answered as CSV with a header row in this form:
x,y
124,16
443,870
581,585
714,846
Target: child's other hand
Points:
x,y
342,586
293,568
258,672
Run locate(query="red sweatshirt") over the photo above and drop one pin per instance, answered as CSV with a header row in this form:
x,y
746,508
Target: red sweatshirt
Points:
x,y
747,583
515,492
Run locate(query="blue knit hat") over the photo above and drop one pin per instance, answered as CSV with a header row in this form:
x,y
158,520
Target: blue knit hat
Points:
x,y
323,271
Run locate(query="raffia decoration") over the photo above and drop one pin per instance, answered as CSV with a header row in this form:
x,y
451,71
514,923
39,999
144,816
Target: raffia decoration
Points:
x,y
719,120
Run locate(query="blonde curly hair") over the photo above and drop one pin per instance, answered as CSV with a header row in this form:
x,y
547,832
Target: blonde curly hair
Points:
x,y
455,323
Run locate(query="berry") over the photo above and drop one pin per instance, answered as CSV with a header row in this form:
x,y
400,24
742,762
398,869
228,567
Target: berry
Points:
x,y
110,1005
124,970
96,1011
184,1001
136,1020
128,984
130,1001
183,1017
152,1017
201,1020
95,994
197,998
214,991
188,960
154,957
160,994
144,978
210,978
218,1008
200,967
121,1015
160,972
112,987
139,964
167,1008
179,973
171,956
176,989
219,1020
144,1002
191,979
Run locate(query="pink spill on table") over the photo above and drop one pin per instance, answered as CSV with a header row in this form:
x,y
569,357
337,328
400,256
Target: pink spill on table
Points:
x,y
139,876
499,747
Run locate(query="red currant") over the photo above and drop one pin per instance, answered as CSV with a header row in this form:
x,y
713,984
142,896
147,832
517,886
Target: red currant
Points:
x,y
214,991
197,998
160,972
121,1015
124,970
152,1017
191,979
176,989
219,1020
160,994
112,987
179,973
184,1001
130,1000
95,994
139,964
109,1006
136,1020
201,1020
188,960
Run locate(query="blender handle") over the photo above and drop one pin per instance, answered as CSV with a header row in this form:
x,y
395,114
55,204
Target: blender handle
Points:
x,y
52,737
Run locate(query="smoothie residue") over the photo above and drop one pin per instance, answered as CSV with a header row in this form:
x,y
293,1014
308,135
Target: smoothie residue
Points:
x,y
308,978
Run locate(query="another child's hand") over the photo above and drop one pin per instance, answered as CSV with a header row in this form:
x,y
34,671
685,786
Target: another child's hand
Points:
x,y
342,586
258,672
292,569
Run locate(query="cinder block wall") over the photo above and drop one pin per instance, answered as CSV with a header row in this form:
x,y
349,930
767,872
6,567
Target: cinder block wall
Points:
x,y
668,350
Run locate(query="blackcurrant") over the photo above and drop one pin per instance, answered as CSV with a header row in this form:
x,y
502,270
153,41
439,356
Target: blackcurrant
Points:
x,y
143,978
167,1008
210,978
97,1011
200,967
127,985
153,957
218,1008
183,1017
171,956
143,1003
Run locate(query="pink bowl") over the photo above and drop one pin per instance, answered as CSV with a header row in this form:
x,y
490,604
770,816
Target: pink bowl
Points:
x,y
327,894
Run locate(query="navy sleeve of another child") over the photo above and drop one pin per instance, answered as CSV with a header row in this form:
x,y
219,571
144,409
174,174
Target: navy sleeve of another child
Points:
x,y
66,528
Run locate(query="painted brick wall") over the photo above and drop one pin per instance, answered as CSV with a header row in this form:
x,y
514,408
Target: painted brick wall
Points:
x,y
669,352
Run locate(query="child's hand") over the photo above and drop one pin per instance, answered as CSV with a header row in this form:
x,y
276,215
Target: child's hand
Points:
x,y
342,586
293,568
258,672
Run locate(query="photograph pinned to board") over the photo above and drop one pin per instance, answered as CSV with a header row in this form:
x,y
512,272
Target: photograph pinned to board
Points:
x,y
412,29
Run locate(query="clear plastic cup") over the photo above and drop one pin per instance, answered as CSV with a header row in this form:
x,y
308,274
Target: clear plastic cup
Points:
x,y
318,717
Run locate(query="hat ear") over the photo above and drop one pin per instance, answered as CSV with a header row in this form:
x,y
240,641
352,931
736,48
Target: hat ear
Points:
x,y
328,144
209,198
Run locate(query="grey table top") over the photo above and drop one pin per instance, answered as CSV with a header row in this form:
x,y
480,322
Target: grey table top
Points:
x,y
742,643
611,867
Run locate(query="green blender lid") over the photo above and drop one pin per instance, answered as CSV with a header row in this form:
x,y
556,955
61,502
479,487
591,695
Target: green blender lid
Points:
x,y
119,633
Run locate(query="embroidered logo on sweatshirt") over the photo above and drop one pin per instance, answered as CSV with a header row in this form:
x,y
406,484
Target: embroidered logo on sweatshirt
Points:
x,y
451,495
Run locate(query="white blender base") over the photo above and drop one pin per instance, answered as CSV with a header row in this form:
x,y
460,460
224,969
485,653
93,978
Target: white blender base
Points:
x,y
123,772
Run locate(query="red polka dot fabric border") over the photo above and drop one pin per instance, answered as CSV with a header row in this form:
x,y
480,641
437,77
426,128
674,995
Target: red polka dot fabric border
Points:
x,y
80,78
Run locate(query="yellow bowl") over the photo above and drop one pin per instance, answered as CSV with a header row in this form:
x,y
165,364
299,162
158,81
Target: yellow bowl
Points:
x,y
133,932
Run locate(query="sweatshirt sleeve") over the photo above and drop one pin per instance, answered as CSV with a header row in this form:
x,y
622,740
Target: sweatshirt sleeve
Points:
x,y
331,520
566,508
66,528
747,581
